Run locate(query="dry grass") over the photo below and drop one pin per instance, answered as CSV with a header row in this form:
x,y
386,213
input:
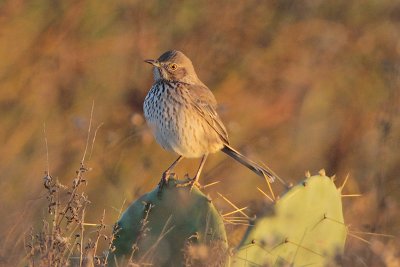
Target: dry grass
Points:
x,y
301,86
64,239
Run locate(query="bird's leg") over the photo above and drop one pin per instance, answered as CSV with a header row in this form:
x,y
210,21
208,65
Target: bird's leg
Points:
x,y
166,173
197,176
193,181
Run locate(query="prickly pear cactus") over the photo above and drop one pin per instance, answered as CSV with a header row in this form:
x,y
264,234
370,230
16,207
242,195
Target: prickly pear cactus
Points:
x,y
305,229
175,228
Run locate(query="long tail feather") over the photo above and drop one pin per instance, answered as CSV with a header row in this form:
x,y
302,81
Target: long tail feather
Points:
x,y
259,170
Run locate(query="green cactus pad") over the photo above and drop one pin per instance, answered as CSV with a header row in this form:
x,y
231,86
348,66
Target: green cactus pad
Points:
x,y
172,229
305,229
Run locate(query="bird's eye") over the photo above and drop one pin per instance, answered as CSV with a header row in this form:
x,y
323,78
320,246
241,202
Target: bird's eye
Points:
x,y
173,66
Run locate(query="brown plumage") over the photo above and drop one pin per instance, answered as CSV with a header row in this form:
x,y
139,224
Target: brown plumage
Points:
x,y
181,111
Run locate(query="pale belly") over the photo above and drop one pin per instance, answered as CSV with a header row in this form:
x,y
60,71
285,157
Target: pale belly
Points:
x,y
179,128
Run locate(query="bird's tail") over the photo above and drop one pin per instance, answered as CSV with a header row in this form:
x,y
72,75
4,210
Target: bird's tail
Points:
x,y
259,170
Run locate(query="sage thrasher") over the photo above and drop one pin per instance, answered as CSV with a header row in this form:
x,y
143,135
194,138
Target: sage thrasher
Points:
x,y
181,112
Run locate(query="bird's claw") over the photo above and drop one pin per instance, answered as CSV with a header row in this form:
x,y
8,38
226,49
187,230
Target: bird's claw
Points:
x,y
164,181
191,182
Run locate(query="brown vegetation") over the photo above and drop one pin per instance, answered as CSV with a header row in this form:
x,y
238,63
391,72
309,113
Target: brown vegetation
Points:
x,y
301,86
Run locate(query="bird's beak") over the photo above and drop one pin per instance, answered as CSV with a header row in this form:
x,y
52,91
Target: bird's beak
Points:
x,y
153,62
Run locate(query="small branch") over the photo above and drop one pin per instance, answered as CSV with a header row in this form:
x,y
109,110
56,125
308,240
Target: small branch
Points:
x,y
88,136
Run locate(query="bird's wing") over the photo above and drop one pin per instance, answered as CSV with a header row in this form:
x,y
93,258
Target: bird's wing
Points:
x,y
204,102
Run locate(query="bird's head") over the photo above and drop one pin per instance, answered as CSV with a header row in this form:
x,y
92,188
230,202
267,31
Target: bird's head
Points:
x,y
173,66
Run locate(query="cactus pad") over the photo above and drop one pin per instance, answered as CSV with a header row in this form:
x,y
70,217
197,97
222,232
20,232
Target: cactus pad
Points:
x,y
177,228
305,229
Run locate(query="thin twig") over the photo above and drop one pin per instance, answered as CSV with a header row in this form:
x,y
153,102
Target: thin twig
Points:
x,y
163,233
112,238
100,228
94,138
81,243
47,150
88,135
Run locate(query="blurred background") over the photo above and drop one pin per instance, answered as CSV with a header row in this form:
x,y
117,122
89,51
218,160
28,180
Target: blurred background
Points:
x,y
301,86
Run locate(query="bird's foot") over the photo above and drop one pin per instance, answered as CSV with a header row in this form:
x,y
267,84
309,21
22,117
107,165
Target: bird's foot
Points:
x,y
164,181
191,182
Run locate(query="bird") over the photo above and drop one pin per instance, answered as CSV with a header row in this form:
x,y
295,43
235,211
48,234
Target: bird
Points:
x,y
181,112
